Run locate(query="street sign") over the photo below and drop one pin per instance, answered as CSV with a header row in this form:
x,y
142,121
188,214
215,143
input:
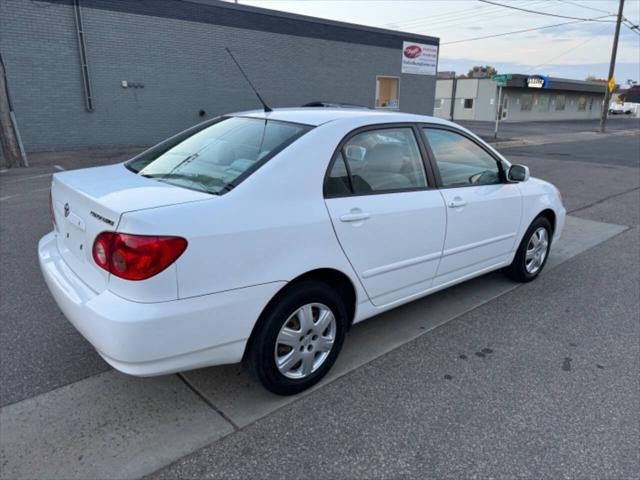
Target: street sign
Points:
x,y
502,78
538,81
611,84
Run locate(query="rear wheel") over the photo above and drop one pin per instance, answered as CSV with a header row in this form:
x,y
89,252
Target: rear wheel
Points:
x,y
532,253
298,338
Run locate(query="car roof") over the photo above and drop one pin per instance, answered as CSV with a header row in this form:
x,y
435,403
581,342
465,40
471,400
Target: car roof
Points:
x,y
317,116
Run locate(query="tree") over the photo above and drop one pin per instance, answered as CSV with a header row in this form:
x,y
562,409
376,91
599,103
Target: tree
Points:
x,y
593,78
480,71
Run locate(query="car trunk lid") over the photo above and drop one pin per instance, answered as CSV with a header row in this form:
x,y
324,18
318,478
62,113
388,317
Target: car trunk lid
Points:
x,y
90,201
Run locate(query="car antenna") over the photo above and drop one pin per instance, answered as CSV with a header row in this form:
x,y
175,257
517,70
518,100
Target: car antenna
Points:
x,y
264,104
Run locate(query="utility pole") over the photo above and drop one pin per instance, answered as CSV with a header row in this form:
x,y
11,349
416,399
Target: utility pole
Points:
x,y
10,150
9,137
498,111
612,67
454,86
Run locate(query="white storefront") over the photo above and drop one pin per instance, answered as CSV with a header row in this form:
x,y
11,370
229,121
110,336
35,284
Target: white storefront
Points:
x,y
524,98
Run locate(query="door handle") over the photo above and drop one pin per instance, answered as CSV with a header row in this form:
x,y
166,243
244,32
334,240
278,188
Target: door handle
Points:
x,y
457,202
354,217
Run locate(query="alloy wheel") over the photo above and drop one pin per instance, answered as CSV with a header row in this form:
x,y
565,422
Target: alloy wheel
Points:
x,y
537,250
305,341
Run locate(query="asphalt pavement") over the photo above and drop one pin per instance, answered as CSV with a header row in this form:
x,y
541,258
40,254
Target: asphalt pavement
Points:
x,y
510,130
541,381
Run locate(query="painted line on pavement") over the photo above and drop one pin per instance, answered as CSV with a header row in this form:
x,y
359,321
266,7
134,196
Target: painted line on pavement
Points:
x,y
116,426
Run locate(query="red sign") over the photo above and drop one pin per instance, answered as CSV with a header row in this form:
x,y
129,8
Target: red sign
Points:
x,y
412,51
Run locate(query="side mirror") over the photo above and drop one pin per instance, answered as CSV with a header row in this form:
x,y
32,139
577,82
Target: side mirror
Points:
x,y
518,173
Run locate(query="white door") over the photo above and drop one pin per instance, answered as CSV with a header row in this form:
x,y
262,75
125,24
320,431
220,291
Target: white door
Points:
x,y
389,223
483,211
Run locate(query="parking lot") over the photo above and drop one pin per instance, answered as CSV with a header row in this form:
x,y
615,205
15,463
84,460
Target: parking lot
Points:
x,y
489,378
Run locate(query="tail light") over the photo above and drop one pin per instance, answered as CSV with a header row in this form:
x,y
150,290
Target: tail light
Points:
x,y
136,257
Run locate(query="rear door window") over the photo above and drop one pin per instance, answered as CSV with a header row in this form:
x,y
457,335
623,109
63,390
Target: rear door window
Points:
x,y
385,160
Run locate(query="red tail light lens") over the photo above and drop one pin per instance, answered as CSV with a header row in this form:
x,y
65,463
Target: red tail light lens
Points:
x,y
136,257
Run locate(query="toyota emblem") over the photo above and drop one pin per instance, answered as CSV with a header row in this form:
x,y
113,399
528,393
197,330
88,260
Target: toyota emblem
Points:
x,y
66,210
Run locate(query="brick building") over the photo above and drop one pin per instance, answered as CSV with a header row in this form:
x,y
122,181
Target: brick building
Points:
x,y
102,73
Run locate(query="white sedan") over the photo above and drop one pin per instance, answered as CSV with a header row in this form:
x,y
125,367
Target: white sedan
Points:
x,y
263,236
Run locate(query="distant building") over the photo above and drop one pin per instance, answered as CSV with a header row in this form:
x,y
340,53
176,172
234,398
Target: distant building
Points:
x,y
524,98
631,95
445,75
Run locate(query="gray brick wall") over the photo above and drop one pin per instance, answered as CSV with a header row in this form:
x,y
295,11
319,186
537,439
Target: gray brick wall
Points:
x,y
183,67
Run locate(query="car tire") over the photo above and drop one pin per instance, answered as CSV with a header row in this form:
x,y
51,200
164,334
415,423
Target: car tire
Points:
x,y
298,337
532,253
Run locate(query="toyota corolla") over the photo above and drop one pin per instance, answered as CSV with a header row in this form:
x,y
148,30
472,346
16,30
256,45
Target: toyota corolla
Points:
x,y
262,237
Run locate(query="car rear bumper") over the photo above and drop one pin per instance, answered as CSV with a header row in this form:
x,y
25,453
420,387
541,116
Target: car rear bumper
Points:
x,y
147,339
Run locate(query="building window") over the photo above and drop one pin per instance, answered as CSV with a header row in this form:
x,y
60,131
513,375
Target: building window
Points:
x,y
561,100
582,103
387,92
590,103
468,103
543,103
438,104
527,102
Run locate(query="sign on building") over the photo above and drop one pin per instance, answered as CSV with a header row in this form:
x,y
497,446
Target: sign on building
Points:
x,y
419,59
538,81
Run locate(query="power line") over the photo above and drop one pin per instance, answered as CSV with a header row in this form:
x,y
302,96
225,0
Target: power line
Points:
x,y
451,17
476,12
514,32
571,50
584,6
632,27
442,16
547,14
461,21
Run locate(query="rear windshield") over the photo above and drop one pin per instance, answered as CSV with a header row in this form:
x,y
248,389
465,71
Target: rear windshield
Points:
x,y
217,157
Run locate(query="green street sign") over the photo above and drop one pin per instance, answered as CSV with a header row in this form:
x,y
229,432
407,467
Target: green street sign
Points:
x,y
502,79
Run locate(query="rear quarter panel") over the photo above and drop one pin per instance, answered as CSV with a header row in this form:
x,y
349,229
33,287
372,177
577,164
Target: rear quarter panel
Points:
x,y
274,226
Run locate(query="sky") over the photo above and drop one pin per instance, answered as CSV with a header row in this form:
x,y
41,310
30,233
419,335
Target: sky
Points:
x,y
570,51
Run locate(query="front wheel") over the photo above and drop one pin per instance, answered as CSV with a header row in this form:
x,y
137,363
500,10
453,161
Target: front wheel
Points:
x,y
532,253
298,338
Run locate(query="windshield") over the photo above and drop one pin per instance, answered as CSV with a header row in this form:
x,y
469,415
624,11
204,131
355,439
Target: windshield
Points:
x,y
214,158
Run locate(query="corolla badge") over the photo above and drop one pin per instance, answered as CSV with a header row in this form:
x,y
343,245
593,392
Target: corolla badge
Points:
x,y
412,51
66,210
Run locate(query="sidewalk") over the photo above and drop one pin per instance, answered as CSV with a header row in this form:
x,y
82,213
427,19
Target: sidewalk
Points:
x,y
540,133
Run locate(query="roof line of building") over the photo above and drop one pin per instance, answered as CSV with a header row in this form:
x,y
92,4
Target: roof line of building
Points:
x,y
229,14
519,80
325,21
